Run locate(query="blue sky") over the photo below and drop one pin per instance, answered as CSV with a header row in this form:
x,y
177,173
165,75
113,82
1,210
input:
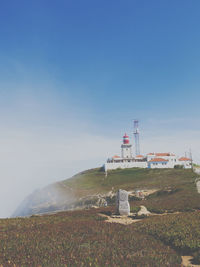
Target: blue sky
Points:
x,y
116,56
74,75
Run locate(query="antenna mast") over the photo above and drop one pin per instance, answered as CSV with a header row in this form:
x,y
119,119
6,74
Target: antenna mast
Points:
x,y
136,136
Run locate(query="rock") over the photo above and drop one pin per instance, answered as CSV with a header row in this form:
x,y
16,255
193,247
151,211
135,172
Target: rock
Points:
x,y
143,211
198,186
123,207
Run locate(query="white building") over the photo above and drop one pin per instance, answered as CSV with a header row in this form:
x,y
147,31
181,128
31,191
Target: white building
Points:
x,y
126,160
167,160
162,160
151,160
167,156
186,162
160,163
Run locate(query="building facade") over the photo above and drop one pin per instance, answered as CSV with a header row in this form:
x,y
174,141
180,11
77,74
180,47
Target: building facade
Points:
x,y
151,160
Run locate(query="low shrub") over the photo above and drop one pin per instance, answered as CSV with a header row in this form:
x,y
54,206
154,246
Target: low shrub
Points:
x,y
178,167
78,239
134,209
180,231
140,216
196,257
156,210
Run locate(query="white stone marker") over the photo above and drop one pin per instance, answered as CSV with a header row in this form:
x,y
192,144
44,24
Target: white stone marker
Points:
x,y
123,206
198,186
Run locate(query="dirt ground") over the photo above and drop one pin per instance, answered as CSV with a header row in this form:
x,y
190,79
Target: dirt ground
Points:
x,y
186,262
119,219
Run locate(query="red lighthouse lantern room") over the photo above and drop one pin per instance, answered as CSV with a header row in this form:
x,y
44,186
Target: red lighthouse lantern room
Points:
x,y
125,139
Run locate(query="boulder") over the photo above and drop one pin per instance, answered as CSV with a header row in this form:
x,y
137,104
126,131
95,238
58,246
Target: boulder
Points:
x,y
143,211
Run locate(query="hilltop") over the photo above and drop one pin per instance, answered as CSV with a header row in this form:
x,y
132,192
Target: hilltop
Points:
x,y
175,189
169,237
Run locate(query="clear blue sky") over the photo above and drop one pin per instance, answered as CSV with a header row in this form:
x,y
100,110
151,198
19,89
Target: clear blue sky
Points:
x,y
77,68
112,58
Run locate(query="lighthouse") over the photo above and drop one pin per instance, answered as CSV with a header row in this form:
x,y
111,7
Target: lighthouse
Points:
x,y
151,160
126,147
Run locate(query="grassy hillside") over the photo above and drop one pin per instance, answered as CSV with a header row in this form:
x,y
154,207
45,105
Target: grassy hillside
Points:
x,y
176,187
79,239
94,181
83,238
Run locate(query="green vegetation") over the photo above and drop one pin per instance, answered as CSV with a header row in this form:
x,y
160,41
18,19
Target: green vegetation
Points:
x,y
180,231
179,197
79,238
79,190
196,165
134,209
94,180
177,189
178,167
83,238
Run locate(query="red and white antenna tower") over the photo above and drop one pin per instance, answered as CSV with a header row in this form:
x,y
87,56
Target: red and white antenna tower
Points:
x,y
136,136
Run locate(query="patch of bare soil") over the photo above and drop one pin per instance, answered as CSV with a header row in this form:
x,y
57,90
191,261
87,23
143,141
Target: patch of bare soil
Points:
x,y
149,192
142,193
186,262
129,219
120,219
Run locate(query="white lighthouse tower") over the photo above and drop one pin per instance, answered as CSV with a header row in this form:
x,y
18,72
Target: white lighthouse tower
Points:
x,y
126,147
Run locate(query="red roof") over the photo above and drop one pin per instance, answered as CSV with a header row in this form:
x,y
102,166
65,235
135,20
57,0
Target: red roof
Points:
x,y
125,136
162,154
115,157
158,160
184,159
139,156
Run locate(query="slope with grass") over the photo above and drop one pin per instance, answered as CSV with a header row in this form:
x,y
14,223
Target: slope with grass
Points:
x,y
79,238
176,188
83,238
